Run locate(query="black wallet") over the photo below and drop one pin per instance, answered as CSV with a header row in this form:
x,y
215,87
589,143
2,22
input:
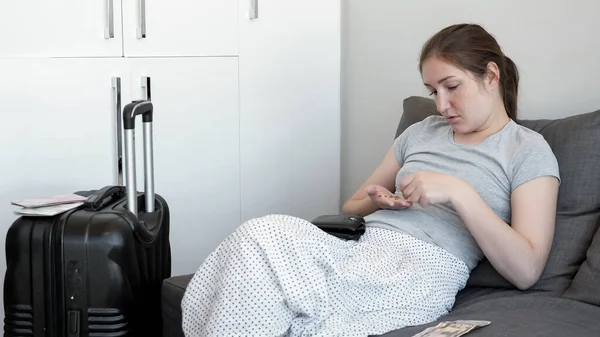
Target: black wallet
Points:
x,y
348,227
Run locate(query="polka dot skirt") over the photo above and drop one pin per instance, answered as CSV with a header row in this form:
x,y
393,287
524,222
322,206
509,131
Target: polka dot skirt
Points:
x,y
280,275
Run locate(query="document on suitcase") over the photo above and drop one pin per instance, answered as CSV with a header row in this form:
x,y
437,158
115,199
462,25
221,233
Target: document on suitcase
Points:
x,y
96,270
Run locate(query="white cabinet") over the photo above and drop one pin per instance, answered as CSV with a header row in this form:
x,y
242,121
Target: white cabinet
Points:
x,y
180,28
290,113
57,130
246,111
60,137
196,149
36,28
104,28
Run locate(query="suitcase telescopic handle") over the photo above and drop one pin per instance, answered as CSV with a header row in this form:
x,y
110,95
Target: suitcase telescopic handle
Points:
x,y
130,111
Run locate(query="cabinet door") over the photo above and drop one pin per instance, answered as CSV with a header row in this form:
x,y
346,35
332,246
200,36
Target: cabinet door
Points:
x,y
290,108
180,28
60,28
57,132
196,149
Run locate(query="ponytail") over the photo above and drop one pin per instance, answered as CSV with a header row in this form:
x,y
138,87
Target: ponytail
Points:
x,y
510,87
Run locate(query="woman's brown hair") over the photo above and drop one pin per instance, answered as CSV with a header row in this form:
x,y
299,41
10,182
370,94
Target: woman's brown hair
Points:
x,y
471,47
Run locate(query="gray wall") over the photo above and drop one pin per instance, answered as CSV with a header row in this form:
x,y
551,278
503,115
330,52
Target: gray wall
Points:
x,y
556,45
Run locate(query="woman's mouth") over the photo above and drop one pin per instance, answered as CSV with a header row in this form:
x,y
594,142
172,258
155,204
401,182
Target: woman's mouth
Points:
x,y
452,119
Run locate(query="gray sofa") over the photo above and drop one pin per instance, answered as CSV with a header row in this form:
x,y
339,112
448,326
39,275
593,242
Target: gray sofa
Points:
x,y
566,299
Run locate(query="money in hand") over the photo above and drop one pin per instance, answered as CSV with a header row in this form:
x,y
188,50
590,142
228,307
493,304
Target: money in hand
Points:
x,y
393,196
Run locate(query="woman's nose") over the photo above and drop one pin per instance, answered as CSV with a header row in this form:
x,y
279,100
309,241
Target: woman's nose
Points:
x,y
442,103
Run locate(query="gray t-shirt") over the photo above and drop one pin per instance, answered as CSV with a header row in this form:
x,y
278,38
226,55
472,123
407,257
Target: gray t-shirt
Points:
x,y
494,168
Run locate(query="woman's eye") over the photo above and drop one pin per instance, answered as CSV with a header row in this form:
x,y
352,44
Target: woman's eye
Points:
x,y
452,88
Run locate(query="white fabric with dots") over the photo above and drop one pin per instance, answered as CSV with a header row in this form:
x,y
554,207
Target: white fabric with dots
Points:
x,y
280,275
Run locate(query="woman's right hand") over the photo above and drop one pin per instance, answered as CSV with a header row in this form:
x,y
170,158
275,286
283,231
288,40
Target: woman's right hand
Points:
x,y
385,199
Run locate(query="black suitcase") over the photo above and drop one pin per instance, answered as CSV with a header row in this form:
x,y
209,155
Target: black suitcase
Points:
x,y
96,270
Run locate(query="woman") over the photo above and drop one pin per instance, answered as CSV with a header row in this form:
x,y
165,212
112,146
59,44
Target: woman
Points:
x,y
473,183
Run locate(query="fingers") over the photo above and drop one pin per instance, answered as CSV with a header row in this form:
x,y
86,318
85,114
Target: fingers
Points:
x,y
373,190
406,181
408,191
418,198
386,199
402,203
394,201
412,195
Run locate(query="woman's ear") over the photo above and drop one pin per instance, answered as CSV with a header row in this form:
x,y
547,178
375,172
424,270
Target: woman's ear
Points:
x,y
492,79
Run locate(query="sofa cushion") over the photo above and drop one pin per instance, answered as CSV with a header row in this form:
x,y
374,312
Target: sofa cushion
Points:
x,y
586,284
574,140
471,295
522,315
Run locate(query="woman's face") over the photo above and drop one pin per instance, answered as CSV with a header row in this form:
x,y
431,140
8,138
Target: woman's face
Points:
x,y
464,101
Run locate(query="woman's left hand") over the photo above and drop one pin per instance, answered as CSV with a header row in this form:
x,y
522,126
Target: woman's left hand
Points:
x,y
427,188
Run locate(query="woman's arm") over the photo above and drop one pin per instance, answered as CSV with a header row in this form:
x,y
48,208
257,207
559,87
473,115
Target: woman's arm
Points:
x,y
518,252
384,175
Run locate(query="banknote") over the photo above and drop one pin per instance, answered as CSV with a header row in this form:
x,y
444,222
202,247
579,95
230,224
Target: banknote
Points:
x,y
452,328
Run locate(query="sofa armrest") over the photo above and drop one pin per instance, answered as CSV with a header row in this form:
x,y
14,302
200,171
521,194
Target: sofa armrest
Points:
x,y
173,290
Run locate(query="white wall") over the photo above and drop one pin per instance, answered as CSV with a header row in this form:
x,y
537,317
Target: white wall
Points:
x,y
555,44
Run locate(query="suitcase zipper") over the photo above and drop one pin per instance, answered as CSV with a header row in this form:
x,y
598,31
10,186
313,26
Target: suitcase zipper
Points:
x,y
58,270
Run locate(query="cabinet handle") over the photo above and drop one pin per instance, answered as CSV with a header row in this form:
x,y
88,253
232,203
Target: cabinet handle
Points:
x,y
109,29
141,31
146,85
116,85
253,9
